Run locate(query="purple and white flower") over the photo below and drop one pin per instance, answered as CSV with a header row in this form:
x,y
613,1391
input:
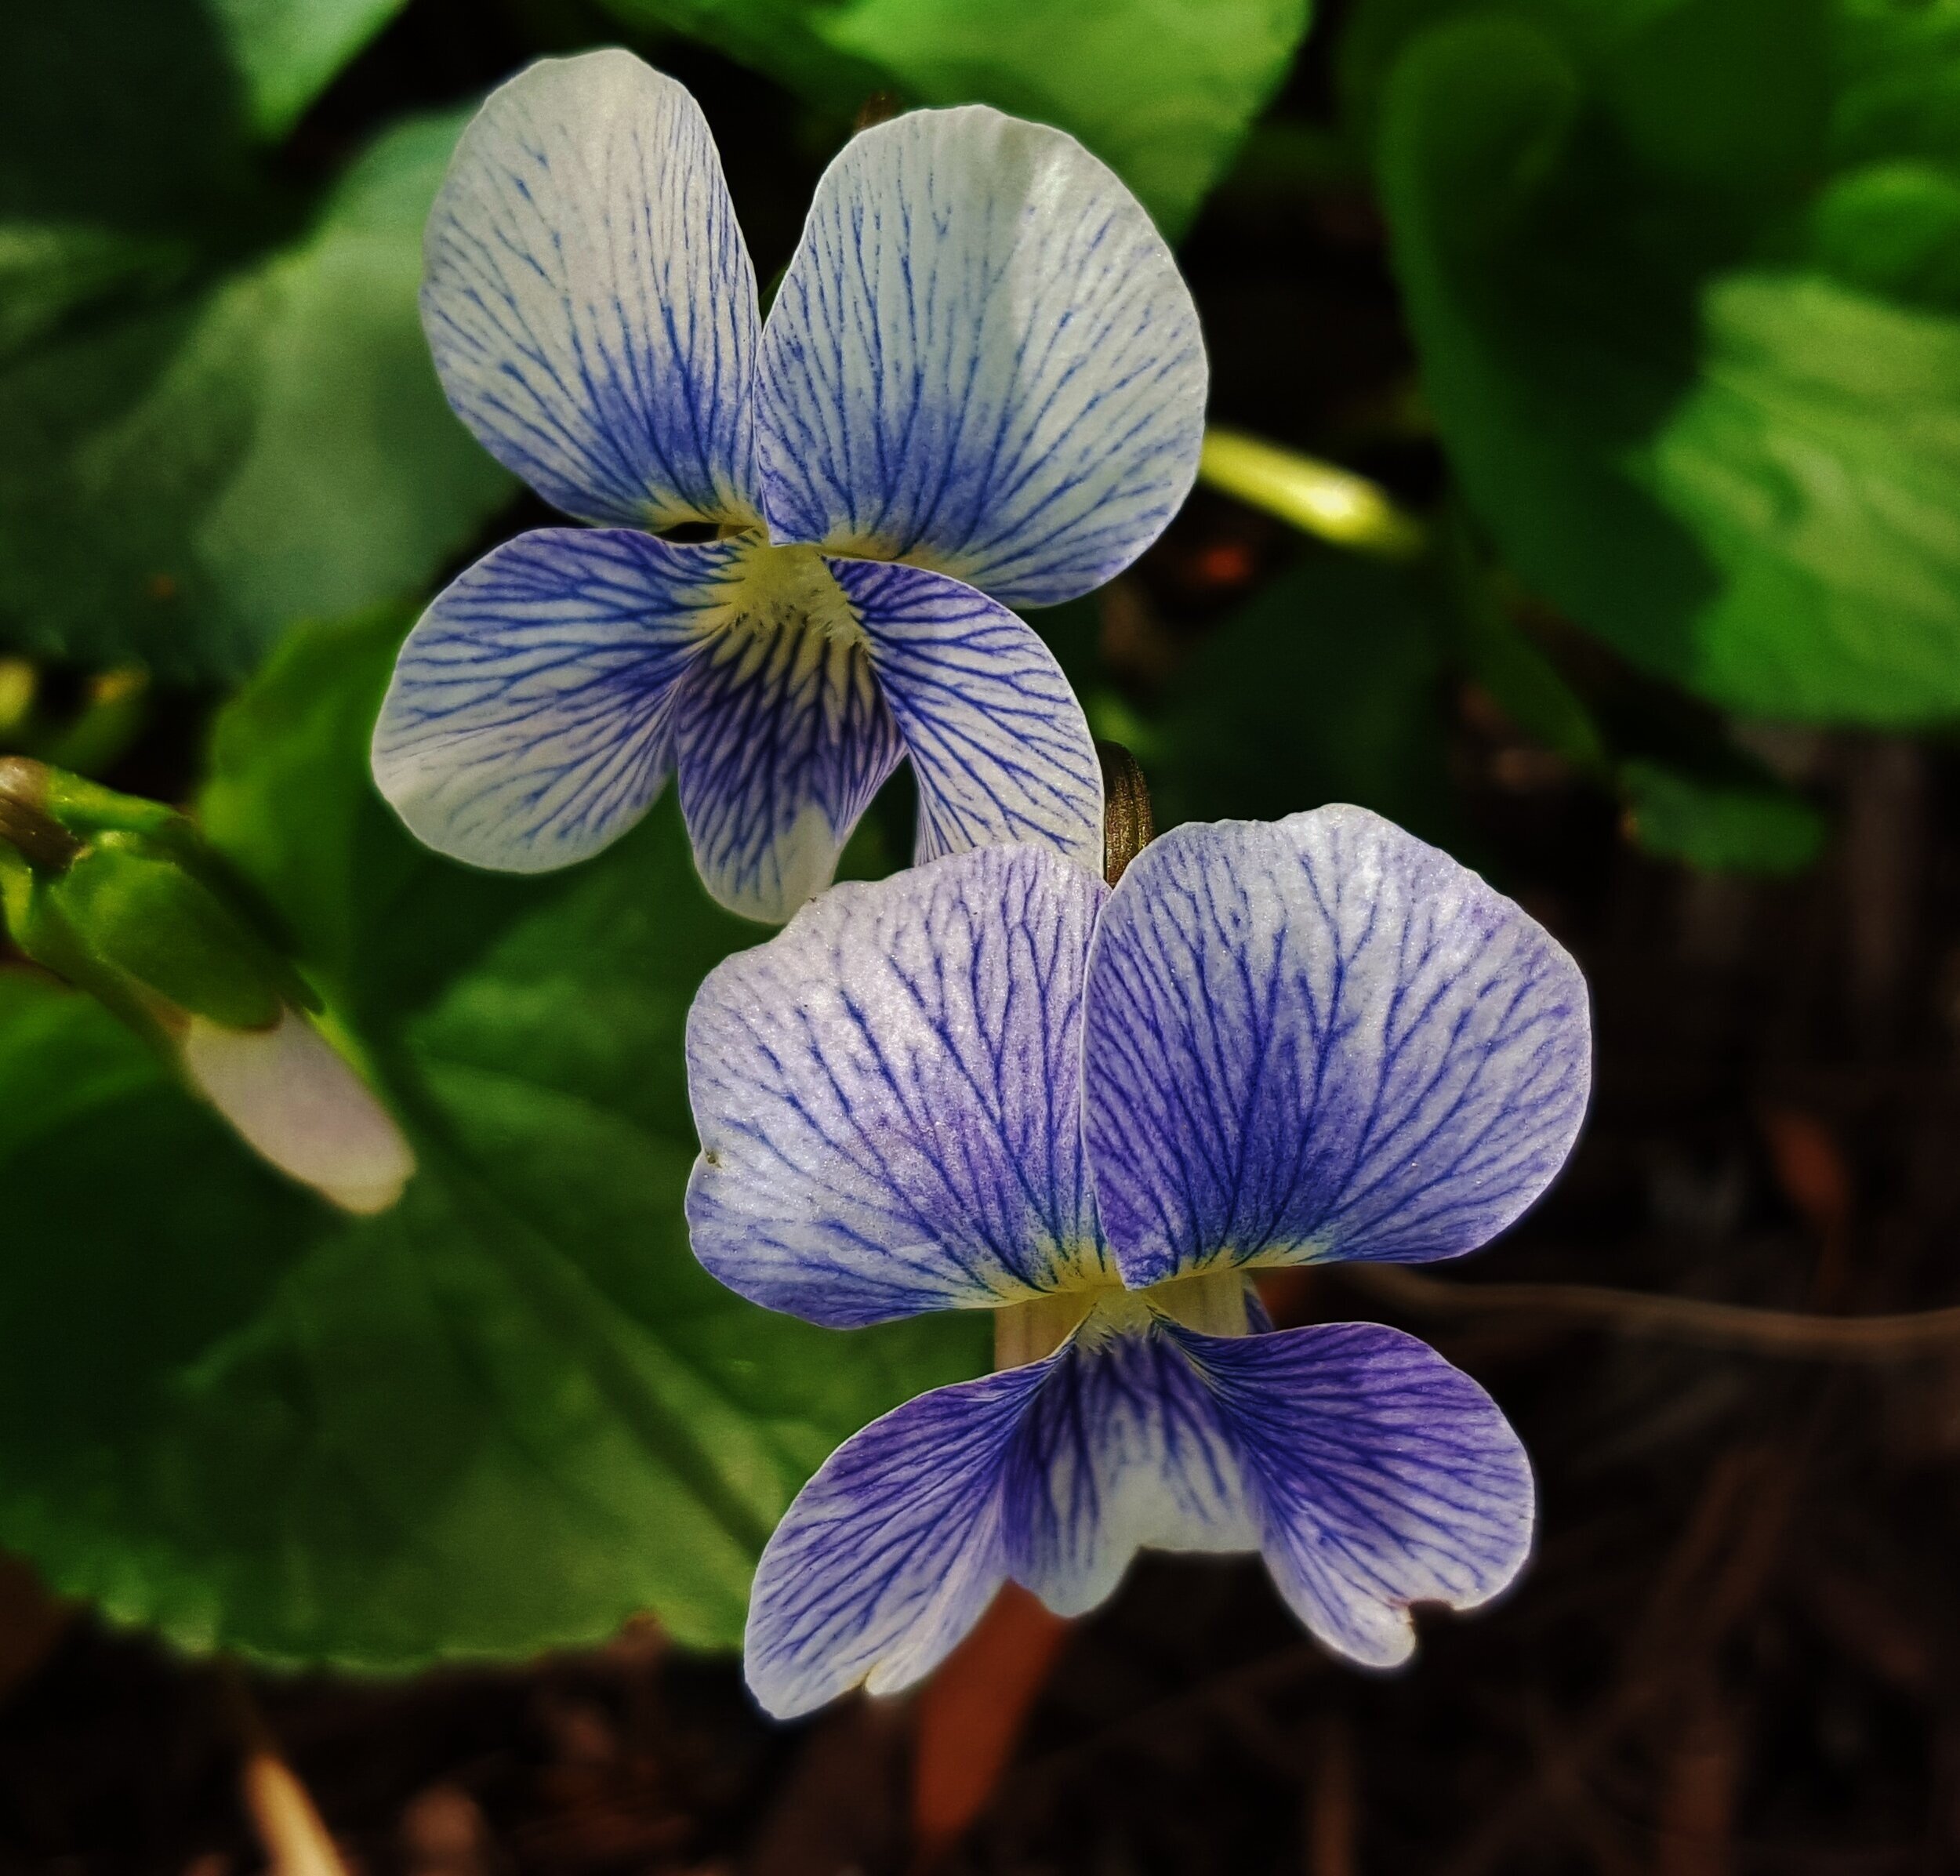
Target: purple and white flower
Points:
x,y
993,1082
981,385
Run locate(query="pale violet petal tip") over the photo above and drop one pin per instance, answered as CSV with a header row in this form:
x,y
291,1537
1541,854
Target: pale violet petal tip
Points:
x,y
588,298
1000,747
890,1553
1380,1477
781,738
294,1099
527,724
1323,1038
887,1095
982,359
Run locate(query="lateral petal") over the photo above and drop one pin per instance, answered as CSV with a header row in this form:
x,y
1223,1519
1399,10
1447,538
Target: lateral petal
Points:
x,y
526,725
999,745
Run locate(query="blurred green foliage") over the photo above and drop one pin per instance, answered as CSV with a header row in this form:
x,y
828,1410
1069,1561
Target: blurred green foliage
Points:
x,y
284,51
1328,686
217,414
507,1414
1684,276
1161,90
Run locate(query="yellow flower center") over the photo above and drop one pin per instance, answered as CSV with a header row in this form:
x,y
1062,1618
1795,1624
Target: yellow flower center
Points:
x,y
1211,1301
770,587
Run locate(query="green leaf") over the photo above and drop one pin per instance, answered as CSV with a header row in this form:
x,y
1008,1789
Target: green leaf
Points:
x,y
1725,824
286,50
1163,90
1685,278
1327,686
203,437
504,1416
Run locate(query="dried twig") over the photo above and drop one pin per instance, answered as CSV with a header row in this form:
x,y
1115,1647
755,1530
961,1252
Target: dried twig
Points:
x,y
1792,1333
281,1809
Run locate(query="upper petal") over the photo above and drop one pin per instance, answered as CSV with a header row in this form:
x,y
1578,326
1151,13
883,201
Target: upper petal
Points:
x,y
888,1095
589,298
1322,1038
781,737
1000,746
527,723
982,359
1378,1476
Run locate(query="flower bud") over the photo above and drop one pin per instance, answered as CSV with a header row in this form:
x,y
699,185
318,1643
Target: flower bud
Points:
x,y
147,918
121,898
296,1101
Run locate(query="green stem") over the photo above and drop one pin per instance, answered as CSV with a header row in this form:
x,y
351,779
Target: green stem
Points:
x,y
1334,503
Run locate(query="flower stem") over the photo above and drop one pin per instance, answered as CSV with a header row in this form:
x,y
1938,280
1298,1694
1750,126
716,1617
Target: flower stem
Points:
x,y
1334,503
25,824
1128,826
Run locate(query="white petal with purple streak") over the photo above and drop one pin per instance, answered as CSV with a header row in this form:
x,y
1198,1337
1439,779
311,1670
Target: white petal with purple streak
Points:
x,y
1321,1038
890,1553
588,299
528,721
1378,1475
982,359
999,745
888,1096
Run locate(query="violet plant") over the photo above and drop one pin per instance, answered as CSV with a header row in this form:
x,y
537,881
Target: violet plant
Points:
x,y
993,1082
981,385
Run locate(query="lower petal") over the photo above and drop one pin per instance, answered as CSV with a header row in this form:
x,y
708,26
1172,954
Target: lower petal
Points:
x,y
526,726
891,1553
1122,1450
1000,746
1379,1475
782,739
1370,1475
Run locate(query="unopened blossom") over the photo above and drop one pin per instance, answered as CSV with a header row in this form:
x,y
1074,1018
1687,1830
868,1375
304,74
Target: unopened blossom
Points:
x,y
992,1083
121,897
981,385
294,1100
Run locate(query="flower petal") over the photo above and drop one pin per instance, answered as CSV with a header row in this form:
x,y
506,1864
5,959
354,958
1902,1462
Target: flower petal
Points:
x,y
1320,1038
588,299
781,738
1369,1474
888,1095
1001,747
982,359
1122,1449
1379,1476
526,725
891,1553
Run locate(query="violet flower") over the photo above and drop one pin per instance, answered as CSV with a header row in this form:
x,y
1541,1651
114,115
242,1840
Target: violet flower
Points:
x,y
993,1082
981,385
